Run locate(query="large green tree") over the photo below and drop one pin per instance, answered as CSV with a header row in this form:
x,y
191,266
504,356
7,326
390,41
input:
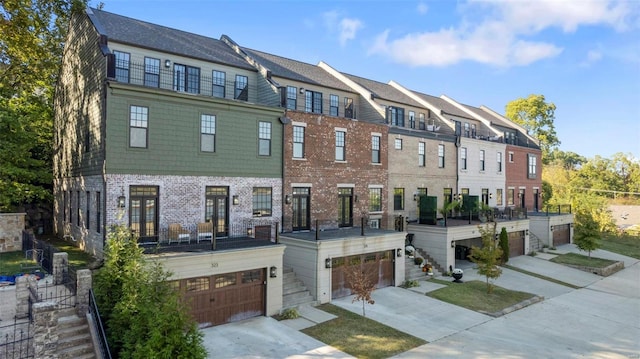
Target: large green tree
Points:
x,y
536,115
32,34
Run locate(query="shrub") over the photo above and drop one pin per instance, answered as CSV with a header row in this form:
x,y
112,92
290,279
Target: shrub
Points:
x,y
410,284
291,313
418,260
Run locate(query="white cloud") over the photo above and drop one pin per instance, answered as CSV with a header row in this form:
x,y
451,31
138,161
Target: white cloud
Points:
x,y
593,56
345,27
422,8
503,33
348,29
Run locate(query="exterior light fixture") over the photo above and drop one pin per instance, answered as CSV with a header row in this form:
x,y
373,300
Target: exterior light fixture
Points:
x,y
287,199
121,201
301,90
235,200
415,196
249,232
167,63
273,271
453,244
355,198
490,195
399,252
327,263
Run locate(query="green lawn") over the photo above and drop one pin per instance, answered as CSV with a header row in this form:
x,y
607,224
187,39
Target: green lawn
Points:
x,y
11,263
581,260
361,337
626,244
473,295
77,257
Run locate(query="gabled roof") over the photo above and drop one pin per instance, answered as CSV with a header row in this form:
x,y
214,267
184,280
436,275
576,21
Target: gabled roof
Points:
x,y
383,91
495,120
296,70
155,37
444,106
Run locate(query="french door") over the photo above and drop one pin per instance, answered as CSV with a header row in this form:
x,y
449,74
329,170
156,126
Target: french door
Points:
x,y
143,212
217,209
301,213
345,207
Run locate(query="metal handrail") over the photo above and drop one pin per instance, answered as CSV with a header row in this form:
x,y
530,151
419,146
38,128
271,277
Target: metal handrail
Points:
x,y
97,324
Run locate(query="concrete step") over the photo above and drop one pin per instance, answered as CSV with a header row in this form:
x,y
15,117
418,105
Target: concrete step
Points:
x,y
79,351
294,302
74,337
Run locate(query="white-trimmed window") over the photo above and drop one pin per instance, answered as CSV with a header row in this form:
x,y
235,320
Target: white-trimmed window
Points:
x,y
398,143
421,124
421,154
241,88
441,156
262,203
292,97
298,142
532,166
499,161
482,163
463,158
412,119
207,133
264,138
334,103
375,149
340,145
138,124
499,197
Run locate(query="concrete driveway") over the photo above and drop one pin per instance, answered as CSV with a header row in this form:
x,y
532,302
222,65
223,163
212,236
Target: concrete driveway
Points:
x,y
600,320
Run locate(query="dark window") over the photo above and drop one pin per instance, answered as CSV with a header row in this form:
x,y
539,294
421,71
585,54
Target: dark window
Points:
x,y
398,199
499,160
466,129
473,130
398,143
87,222
207,133
122,65
334,102
143,212
313,101
421,125
349,111
98,212
241,88
298,142
262,201
151,72
340,145
264,139
186,78
532,166
395,116
219,84
138,124
375,149
292,97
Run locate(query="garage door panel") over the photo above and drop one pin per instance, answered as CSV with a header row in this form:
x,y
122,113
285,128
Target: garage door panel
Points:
x,y
561,234
233,296
379,266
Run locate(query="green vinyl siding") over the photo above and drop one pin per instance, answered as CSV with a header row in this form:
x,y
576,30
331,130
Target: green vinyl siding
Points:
x,y
173,144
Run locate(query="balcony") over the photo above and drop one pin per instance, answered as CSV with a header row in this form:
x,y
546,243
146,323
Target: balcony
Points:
x,y
190,80
332,230
324,107
205,236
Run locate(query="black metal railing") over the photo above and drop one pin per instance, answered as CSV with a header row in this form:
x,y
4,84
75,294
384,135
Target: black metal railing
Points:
x,y
16,339
324,107
94,312
38,250
557,209
191,80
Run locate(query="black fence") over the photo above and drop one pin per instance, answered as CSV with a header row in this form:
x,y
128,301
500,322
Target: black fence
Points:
x,y
101,334
16,339
556,209
39,251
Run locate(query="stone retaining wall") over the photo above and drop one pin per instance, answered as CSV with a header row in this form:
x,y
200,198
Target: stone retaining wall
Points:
x,y
11,227
604,271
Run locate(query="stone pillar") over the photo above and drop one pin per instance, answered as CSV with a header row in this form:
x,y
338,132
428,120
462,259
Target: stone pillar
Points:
x,y
60,265
45,324
22,294
84,283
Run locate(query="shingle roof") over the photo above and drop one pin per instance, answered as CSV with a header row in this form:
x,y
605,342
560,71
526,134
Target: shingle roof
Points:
x,y
297,70
489,116
383,91
151,36
443,105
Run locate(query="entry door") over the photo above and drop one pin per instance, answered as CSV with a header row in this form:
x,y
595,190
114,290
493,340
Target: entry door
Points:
x,y
345,207
536,203
143,209
522,202
301,213
217,209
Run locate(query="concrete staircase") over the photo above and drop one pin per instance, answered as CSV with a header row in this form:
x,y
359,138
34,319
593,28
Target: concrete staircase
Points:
x,y
413,271
294,291
74,336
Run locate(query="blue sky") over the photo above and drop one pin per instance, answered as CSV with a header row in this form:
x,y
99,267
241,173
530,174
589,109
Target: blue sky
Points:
x,y
582,55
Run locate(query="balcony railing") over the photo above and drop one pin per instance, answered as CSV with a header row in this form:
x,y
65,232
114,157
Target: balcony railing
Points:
x,y
190,81
324,107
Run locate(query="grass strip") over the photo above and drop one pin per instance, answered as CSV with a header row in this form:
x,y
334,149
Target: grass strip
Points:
x,y
581,260
473,295
549,279
360,336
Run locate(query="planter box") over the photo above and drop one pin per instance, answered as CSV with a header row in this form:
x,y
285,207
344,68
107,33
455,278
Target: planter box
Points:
x,y
604,271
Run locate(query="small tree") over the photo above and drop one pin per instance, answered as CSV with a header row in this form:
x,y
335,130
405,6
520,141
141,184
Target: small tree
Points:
x,y
361,284
488,256
143,313
504,245
587,236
